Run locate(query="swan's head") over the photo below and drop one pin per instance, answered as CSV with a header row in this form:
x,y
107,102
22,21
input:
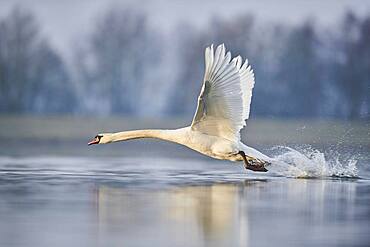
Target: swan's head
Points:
x,y
101,139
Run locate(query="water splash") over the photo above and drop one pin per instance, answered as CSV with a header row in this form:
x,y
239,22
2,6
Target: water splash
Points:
x,y
311,163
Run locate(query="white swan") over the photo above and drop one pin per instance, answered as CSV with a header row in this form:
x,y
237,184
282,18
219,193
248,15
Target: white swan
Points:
x,y
223,107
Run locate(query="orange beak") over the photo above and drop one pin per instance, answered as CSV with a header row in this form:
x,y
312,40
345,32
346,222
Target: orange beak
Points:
x,y
95,141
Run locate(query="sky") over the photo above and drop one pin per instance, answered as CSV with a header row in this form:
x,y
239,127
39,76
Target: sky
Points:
x,y
64,21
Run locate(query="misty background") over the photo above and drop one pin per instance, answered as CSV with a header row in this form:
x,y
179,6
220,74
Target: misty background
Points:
x,y
127,58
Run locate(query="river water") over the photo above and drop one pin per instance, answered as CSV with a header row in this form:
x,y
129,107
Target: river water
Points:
x,y
166,200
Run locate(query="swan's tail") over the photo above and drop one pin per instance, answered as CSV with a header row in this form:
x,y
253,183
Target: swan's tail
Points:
x,y
255,154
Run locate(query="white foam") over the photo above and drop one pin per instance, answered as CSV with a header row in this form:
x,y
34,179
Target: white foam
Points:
x,y
311,163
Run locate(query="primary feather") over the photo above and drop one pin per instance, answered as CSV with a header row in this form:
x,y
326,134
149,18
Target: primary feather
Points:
x,y
225,97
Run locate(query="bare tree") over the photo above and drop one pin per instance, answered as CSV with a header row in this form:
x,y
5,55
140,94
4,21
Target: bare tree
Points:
x,y
32,76
117,62
299,74
18,42
353,71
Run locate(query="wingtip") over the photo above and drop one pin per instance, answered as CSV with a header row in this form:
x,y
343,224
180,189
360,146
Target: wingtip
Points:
x,y
222,47
245,65
239,61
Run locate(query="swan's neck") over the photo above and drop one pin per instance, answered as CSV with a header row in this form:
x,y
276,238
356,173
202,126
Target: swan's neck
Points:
x,y
168,135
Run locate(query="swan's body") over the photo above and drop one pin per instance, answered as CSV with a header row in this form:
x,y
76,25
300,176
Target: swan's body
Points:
x,y
223,107
213,146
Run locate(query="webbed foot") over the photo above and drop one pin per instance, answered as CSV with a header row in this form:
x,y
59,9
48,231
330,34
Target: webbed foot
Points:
x,y
254,164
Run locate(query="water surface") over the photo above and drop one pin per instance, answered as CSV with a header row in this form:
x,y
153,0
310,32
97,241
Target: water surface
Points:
x,y
172,201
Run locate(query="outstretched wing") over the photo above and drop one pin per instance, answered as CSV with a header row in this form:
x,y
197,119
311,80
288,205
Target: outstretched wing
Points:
x,y
225,97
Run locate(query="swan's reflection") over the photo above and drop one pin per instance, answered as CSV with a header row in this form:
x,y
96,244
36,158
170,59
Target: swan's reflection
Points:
x,y
196,215
212,211
241,214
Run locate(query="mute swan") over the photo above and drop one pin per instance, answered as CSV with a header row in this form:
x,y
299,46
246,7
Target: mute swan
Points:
x,y
223,107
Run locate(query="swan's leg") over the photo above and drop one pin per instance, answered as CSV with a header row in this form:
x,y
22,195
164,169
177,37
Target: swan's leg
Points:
x,y
253,164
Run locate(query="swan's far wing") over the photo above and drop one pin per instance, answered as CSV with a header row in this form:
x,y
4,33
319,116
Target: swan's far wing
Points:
x,y
224,100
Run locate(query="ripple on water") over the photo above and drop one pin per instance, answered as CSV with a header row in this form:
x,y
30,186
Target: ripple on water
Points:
x,y
288,162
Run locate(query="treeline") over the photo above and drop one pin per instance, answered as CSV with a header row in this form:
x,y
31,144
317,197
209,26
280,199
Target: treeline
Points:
x,y
33,76
126,66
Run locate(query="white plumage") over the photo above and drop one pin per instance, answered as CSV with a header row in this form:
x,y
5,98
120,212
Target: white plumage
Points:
x,y
222,110
224,101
